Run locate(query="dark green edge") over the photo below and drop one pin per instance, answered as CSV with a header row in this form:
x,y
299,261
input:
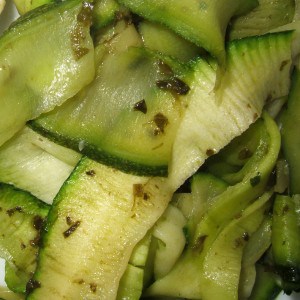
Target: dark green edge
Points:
x,y
31,205
97,154
252,41
101,156
79,169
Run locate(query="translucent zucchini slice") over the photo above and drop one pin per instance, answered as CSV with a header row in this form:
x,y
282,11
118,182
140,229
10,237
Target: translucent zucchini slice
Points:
x,y
202,22
96,220
268,15
123,119
46,57
22,216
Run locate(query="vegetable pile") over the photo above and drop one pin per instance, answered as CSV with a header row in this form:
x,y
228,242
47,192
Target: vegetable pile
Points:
x,y
149,149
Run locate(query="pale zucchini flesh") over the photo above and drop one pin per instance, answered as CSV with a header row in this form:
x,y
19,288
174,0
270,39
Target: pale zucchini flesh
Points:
x,y
96,219
266,16
264,63
22,217
50,61
202,22
197,261
31,162
137,125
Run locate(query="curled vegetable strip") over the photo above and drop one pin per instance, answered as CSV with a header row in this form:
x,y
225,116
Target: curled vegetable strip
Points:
x,y
46,57
227,207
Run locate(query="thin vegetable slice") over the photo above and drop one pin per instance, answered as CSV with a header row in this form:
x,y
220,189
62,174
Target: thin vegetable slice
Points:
x,y
268,15
31,162
22,217
286,242
46,57
258,69
126,118
226,207
202,22
290,121
95,221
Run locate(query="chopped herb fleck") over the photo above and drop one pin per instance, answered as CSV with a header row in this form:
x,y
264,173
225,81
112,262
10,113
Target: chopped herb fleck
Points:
x,y
210,152
31,285
90,173
38,222
164,68
285,209
245,236
77,38
69,220
93,287
245,153
283,64
138,190
85,15
173,84
255,180
161,122
71,229
11,211
36,241
141,106
199,244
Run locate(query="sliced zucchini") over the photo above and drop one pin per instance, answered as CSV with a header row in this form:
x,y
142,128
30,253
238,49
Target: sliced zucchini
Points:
x,y
216,275
106,11
169,231
22,217
160,38
286,242
7,294
46,57
265,286
97,218
133,280
31,162
290,120
202,22
268,15
135,129
131,283
258,69
24,6
235,160
226,207
257,245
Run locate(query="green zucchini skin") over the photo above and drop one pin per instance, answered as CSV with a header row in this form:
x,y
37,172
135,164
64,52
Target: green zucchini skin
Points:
x,y
290,121
225,209
125,138
286,242
22,217
200,22
236,103
24,6
96,220
120,132
266,286
41,48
